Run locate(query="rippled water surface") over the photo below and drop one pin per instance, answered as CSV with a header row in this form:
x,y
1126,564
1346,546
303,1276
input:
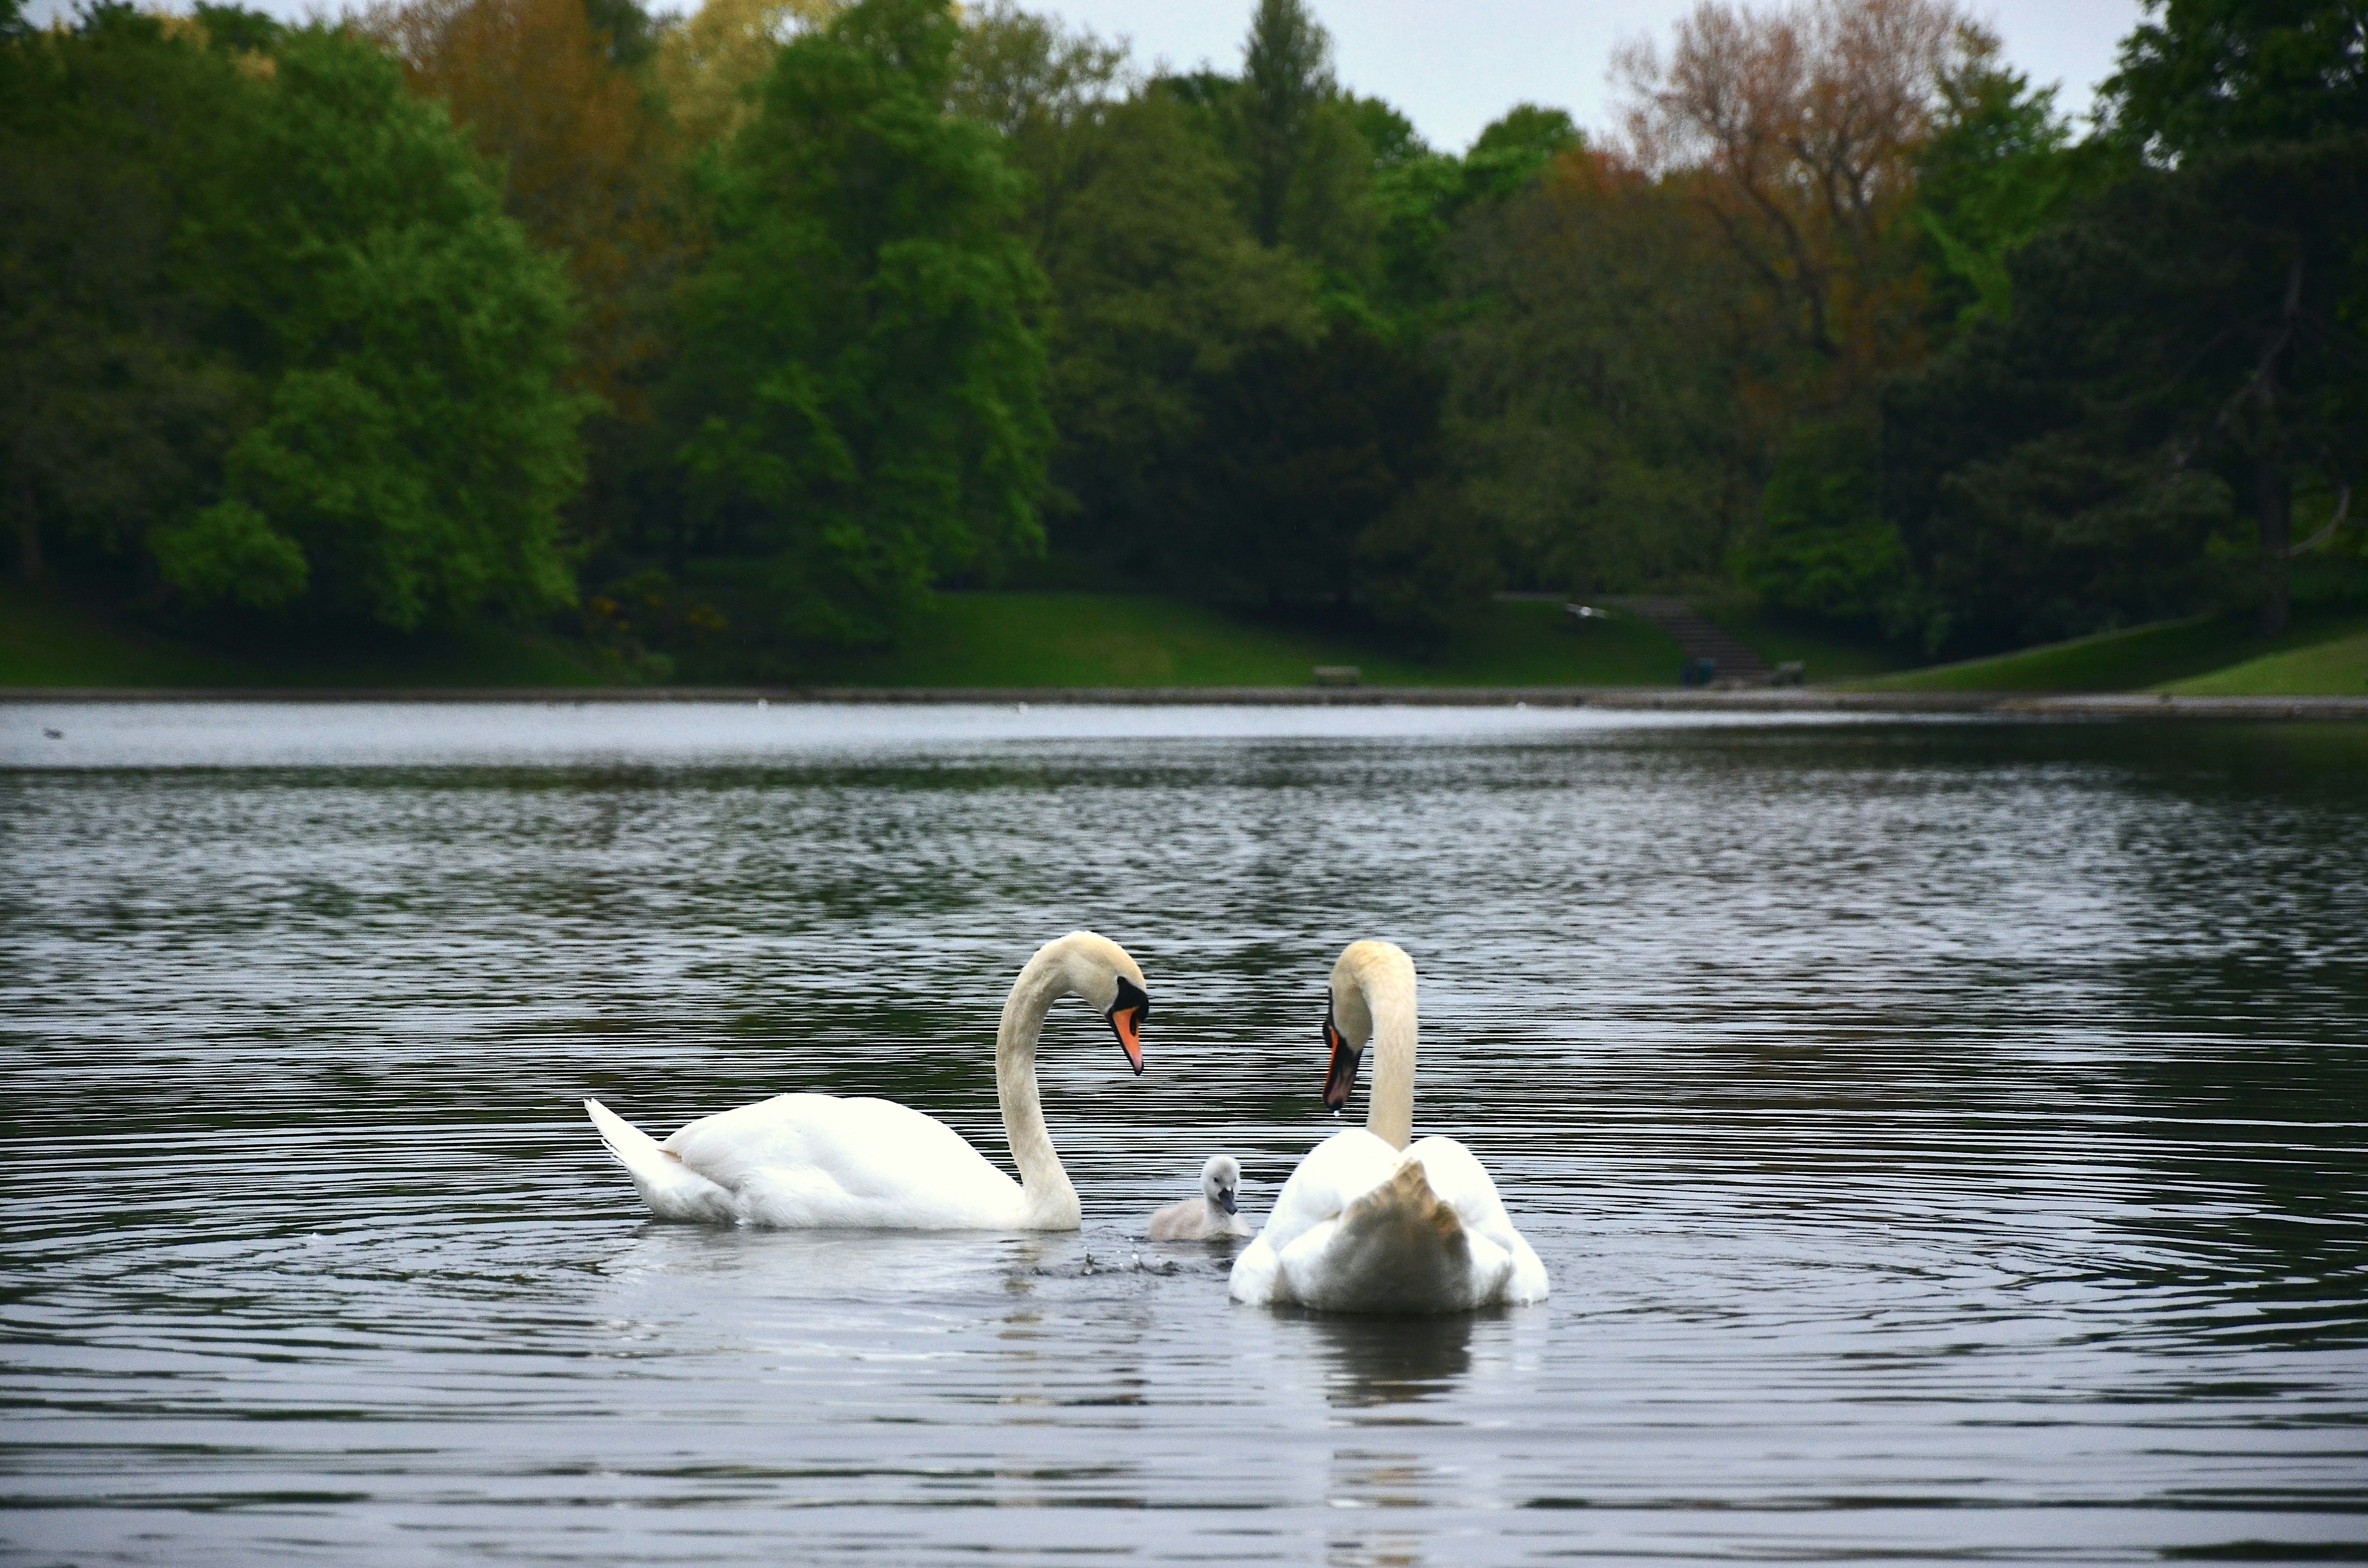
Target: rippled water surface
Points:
x,y
1945,1140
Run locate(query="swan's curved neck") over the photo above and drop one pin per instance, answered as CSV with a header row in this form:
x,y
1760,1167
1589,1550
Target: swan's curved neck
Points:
x,y
1051,1201
1390,998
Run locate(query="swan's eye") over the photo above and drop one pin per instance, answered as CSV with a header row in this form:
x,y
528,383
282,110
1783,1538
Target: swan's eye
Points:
x,y
1131,998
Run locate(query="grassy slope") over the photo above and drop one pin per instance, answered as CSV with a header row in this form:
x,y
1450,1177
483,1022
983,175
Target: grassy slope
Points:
x,y
970,639
2165,654
1020,639
46,642
2336,667
1043,639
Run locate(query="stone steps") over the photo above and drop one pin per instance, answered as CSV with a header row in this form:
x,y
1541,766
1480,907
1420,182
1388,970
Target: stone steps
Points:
x,y
1702,638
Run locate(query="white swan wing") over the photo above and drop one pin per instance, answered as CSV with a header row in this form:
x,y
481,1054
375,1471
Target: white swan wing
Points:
x,y
1335,1174
1502,1256
1361,1227
818,1161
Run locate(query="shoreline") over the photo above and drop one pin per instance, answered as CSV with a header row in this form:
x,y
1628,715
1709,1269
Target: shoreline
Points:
x,y
1999,704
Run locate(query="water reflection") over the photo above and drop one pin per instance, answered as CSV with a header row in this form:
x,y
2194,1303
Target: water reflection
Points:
x,y
1390,1362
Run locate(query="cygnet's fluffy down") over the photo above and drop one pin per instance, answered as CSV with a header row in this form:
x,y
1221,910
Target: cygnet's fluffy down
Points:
x,y
1212,1216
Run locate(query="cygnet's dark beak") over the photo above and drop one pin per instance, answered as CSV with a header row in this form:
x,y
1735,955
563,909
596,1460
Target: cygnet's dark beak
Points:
x,y
1225,1202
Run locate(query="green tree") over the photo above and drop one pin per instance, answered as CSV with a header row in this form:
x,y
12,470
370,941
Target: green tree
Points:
x,y
1999,166
120,400
1514,149
414,448
1592,357
861,382
1157,288
1824,550
345,354
2200,75
1314,487
2185,342
1420,195
1156,284
1286,80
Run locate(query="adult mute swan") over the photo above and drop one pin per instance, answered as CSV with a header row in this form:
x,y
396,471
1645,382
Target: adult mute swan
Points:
x,y
809,1161
1367,1224
1213,1216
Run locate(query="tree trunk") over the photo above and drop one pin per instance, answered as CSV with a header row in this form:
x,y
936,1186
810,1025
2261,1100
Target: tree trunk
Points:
x,y
2273,514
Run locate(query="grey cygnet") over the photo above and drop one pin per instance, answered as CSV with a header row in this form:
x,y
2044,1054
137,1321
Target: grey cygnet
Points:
x,y
1210,1217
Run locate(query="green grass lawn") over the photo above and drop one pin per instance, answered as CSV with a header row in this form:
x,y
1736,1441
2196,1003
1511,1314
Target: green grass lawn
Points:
x,y
47,640
967,639
2166,655
1085,640
1050,640
2336,667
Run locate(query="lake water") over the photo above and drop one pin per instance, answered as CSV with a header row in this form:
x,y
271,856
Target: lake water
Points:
x,y
1946,1139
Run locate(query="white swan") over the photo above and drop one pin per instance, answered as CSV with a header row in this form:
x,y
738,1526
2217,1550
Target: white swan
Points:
x,y
1367,1224
807,1161
1213,1216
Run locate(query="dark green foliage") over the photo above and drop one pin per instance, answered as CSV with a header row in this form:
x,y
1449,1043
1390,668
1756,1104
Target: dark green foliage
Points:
x,y
1594,397
1999,167
1420,195
271,351
630,39
1313,487
2176,351
1824,550
2200,75
329,356
413,446
861,389
1514,149
1159,288
122,397
1286,80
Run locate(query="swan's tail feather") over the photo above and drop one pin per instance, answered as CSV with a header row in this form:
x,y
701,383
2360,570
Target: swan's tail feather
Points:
x,y
672,1190
1398,1249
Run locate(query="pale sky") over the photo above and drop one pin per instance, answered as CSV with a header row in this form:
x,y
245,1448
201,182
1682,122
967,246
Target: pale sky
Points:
x,y
1453,69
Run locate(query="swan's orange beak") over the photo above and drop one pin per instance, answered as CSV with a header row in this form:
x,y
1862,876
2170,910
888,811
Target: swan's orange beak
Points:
x,y
1127,1024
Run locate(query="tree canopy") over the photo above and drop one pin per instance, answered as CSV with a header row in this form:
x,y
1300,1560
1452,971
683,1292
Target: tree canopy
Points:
x,y
337,358
720,339
861,389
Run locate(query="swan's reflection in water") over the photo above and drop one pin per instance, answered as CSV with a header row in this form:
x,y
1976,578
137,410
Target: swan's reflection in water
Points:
x,y
1393,1383
1377,1361
805,1264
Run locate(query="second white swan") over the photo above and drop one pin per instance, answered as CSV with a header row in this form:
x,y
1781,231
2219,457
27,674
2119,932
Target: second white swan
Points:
x,y
1366,1224
815,1161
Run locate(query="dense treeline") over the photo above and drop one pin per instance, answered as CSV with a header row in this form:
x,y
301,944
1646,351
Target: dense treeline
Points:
x,y
731,337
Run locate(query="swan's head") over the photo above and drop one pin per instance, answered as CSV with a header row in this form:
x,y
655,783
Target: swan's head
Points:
x,y
1221,1182
1349,1012
1111,982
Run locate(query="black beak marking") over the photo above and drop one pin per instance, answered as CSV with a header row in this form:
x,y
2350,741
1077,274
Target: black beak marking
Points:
x,y
1126,1014
1340,1076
